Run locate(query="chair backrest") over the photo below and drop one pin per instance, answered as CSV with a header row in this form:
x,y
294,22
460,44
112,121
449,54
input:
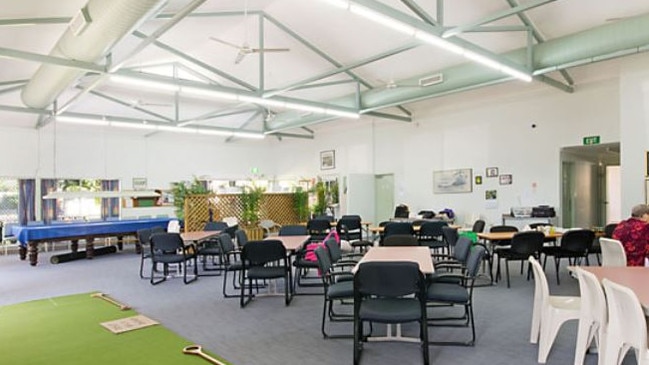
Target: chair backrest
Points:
x,y
158,229
626,320
426,214
166,242
478,226
333,248
450,235
388,278
432,229
593,302
173,226
401,211
608,230
612,252
258,253
351,222
267,224
241,237
577,240
398,228
529,242
143,236
318,225
324,263
293,230
462,249
541,289
225,242
400,240
535,226
215,226
503,228
474,261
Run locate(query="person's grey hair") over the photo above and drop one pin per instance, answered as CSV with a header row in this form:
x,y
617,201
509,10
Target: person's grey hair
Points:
x,y
640,210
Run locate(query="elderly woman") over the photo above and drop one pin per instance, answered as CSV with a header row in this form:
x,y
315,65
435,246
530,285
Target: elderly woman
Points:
x,y
634,235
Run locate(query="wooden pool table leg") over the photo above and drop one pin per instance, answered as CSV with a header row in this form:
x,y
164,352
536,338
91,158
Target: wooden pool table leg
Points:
x,y
90,247
32,248
74,245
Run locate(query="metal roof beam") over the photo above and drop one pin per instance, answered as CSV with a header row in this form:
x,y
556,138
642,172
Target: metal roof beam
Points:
x,y
40,58
389,116
10,89
129,105
420,12
34,21
245,124
493,17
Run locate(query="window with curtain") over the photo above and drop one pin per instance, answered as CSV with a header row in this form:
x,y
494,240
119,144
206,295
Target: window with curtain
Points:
x,y
9,199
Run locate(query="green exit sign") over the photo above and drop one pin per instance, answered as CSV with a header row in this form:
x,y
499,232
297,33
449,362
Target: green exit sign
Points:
x,y
591,140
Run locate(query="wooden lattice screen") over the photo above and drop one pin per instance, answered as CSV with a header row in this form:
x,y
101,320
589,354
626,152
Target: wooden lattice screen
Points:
x,y
275,206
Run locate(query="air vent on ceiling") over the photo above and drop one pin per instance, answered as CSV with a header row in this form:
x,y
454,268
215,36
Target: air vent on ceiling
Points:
x,y
431,80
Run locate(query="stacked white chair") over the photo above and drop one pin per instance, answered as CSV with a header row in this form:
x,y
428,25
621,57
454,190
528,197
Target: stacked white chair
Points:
x,y
549,312
173,226
627,327
592,318
612,252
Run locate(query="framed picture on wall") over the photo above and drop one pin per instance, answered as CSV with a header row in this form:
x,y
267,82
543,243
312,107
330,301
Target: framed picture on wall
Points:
x,y
452,181
491,172
327,160
505,179
478,180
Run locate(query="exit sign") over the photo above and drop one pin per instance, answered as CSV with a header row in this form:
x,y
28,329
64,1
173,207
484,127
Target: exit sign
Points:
x,y
591,140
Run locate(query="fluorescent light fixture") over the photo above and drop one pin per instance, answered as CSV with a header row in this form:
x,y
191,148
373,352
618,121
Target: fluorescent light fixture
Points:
x,y
133,125
427,37
86,121
234,96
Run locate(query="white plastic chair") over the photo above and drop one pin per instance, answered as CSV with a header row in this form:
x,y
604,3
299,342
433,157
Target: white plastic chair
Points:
x,y
612,252
231,221
627,327
592,318
270,227
173,226
549,312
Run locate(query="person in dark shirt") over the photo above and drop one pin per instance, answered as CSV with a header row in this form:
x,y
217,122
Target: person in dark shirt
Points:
x,y
634,235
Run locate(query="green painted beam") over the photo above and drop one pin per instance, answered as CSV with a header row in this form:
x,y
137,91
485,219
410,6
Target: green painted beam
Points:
x,y
40,58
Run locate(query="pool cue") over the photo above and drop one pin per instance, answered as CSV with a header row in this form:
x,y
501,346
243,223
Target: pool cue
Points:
x,y
105,297
198,351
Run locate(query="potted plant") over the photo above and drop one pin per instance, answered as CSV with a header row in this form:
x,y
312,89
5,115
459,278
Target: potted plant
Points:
x,y
301,204
251,201
321,199
183,189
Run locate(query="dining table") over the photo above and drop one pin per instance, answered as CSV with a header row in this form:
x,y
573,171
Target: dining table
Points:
x,y
633,277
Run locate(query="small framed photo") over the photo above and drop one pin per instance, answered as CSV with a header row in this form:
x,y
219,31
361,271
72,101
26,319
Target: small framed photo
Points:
x,y
505,179
327,160
491,195
491,172
139,183
478,180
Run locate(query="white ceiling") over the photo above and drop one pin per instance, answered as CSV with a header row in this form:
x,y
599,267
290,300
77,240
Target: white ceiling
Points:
x,y
337,38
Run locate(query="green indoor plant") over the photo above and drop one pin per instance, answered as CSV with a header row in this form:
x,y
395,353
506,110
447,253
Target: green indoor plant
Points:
x,y
301,204
251,200
321,198
182,189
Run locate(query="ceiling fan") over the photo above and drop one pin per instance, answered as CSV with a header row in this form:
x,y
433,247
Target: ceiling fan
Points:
x,y
245,49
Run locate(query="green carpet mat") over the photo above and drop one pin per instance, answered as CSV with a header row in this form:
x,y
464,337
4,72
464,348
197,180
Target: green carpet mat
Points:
x,y
67,330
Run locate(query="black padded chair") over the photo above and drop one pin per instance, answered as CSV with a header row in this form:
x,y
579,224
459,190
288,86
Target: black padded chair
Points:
x,y
426,214
478,226
318,229
450,236
144,248
241,237
391,228
261,261
340,261
609,229
454,263
231,264
574,246
169,248
209,250
400,240
401,211
523,245
430,234
334,290
389,292
459,293
349,228
293,230
215,226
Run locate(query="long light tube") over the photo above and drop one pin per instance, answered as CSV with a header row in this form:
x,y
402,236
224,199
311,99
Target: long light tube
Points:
x,y
428,37
233,96
161,128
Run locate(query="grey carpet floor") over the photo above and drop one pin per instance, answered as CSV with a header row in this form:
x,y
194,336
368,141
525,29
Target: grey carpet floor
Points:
x,y
268,332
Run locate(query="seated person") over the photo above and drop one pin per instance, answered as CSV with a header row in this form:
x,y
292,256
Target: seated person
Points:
x,y
634,235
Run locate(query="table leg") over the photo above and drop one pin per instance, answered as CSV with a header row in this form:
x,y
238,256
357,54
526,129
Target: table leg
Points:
x,y
90,247
120,243
22,252
74,245
32,248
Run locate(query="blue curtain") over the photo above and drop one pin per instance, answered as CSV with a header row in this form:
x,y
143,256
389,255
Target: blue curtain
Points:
x,y
109,206
48,206
26,201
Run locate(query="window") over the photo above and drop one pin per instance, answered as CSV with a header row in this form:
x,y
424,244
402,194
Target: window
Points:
x,y
8,200
82,207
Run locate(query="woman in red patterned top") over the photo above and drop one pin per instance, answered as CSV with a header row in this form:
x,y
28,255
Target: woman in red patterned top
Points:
x,y
634,235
